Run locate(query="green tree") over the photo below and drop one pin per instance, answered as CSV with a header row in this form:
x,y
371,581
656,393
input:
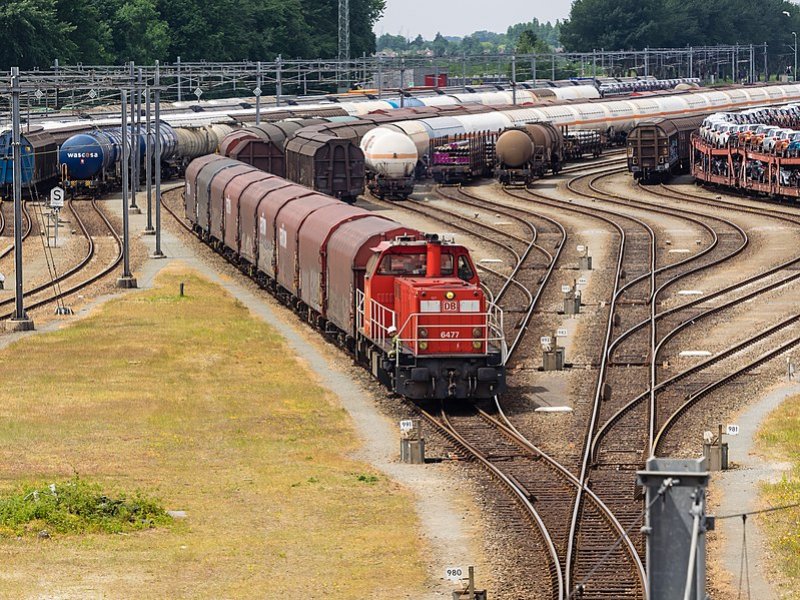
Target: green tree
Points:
x,y
636,24
33,35
91,34
440,46
392,42
138,31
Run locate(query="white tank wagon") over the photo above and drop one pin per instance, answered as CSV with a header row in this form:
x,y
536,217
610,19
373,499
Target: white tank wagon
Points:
x,y
394,158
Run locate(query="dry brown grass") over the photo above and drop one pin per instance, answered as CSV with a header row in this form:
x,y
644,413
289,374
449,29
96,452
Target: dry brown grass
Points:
x,y
779,439
196,402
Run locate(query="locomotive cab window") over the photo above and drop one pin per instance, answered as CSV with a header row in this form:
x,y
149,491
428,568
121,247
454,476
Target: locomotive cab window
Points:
x,y
465,271
412,264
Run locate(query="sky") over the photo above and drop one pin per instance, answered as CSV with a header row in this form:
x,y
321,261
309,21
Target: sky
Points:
x,y
462,17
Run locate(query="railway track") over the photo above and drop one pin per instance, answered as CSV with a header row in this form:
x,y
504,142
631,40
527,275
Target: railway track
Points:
x,y
648,281
594,540
34,293
26,232
602,564
540,485
665,414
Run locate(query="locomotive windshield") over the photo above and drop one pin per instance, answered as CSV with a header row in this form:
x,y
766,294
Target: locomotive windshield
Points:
x,y
415,264
412,264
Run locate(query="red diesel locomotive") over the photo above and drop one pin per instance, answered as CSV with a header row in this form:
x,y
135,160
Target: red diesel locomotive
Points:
x,y
409,306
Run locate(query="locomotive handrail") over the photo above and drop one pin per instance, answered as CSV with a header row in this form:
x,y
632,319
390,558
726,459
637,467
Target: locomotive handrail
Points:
x,y
382,318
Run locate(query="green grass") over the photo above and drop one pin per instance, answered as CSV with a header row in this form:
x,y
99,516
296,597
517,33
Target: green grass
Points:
x,y
779,439
76,506
206,408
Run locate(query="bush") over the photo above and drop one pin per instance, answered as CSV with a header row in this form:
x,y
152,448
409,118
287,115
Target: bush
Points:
x,y
76,506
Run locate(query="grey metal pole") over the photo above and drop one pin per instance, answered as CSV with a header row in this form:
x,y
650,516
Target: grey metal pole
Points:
x,y
533,70
691,62
148,174
157,161
402,81
131,134
553,65
258,93
514,79
380,77
19,320
134,149
278,81
179,78
138,163
126,281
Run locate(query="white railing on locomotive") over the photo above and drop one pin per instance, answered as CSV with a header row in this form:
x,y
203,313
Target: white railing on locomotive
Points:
x,y
410,334
385,331
382,322
415,337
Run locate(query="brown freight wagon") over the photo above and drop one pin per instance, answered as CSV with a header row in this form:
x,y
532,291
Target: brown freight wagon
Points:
x,y
244,236
224,196
659,148
190,187
290,219
204,181
312,249
326,163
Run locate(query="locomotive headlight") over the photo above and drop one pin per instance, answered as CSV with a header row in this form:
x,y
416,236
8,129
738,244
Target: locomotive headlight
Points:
x,y
477,345
450,295
423,345
423,333
477,332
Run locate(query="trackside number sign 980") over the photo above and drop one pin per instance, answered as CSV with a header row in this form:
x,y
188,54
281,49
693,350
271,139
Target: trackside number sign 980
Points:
x,y
454,573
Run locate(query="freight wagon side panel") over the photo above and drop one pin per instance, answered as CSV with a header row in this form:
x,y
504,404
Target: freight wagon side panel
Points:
x,y
265,155
233,196
268,210
246,235
339,169
217,196
204,179
190,188
313,249
289,222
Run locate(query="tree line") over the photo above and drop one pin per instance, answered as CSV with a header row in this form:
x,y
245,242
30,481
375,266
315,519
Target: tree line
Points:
x,y
539,37
637,24
116,31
